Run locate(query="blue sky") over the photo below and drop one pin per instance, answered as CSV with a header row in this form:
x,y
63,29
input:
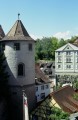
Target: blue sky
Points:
x,y
42,18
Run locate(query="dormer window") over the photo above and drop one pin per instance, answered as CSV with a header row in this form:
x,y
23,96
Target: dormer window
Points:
x,y
16,46
30,47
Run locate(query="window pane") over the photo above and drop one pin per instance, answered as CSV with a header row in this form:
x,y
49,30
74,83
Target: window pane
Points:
x,y
16,46
20,70
59,59
68,53
42,87
36,88
46,86
68,60
68,66
59,66
42,95
30,47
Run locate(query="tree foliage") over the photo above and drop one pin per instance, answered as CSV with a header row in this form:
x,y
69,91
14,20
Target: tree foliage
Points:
x,y
3,76
58,114
75,84
75,96
45,47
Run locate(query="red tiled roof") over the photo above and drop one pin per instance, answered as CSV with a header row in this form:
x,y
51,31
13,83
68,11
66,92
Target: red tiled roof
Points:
x,y
40,75
64,97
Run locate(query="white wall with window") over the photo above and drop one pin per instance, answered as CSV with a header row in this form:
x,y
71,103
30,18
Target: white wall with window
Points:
x,y
66,59
42,91
21,52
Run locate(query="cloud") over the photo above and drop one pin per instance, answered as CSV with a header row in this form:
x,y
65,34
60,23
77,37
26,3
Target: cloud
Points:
x,y
59,35
65,35
35,36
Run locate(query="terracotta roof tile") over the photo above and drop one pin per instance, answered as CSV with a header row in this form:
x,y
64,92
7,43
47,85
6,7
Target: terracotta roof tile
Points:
x,y
65,95
64,98
69,107
40,74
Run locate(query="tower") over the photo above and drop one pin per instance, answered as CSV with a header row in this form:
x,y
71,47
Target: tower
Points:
x,y
19,50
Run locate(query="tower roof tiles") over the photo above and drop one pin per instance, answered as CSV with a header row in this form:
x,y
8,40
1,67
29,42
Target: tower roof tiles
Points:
x,y
17,32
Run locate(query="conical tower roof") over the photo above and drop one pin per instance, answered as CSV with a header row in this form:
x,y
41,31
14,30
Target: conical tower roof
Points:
x,y
2,34
17,32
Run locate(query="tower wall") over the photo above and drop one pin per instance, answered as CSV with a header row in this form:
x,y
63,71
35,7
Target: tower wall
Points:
x,y
14,57
26,82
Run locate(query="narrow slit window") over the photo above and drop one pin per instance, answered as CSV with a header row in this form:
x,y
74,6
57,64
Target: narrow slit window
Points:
x,y
30,47
16,46
21,69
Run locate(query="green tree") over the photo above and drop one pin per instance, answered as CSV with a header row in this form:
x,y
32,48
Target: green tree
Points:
x,y
38,50
75,96
75,84
72,40
58,114
54,42
45,47
62,42
3,76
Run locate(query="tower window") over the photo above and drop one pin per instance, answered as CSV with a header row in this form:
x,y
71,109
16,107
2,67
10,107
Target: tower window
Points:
x,y
2,47
16,46
21,69
30,47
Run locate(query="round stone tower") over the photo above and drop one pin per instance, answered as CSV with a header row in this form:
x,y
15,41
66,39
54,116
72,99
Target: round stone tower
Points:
x,y
19,49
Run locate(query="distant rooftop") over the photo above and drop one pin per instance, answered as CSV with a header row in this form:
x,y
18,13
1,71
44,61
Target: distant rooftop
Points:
x,y
40,75
2,34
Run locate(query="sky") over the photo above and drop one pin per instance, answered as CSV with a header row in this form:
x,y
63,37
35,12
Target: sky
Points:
x,y
41,18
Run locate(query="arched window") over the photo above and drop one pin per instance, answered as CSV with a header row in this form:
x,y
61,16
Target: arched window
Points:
x,y
21,69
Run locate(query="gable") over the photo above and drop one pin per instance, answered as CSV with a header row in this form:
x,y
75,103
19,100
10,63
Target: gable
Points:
x,y
68,48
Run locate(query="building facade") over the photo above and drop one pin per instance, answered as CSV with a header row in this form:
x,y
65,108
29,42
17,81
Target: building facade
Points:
x,y
43,90
44,86
66,60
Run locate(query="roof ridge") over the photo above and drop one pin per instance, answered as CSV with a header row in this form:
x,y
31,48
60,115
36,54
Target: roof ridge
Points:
x,y
16,27
11,29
